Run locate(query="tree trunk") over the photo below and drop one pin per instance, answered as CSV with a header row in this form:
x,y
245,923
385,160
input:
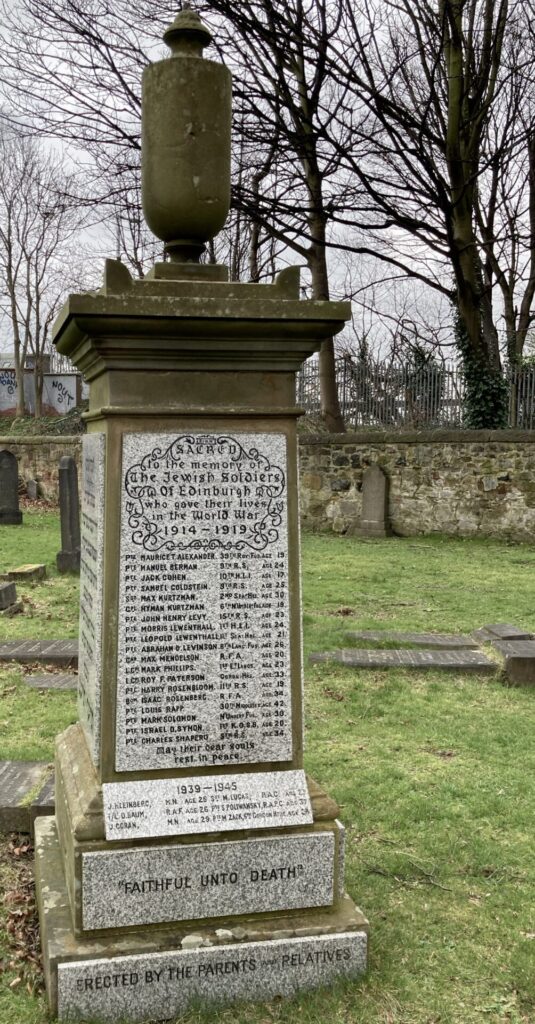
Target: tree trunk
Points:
x,y
329,399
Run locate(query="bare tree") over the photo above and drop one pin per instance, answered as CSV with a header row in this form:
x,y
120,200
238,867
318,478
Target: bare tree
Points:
x,y
37,261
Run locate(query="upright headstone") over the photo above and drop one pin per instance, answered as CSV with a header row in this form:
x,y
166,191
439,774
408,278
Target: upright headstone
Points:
x,y
68,559
10,514
374,518
189,858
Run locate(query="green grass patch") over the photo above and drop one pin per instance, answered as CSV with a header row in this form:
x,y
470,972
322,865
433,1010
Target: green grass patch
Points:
x,y
435,775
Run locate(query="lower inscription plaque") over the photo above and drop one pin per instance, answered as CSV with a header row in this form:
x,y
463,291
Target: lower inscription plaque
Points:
x,y
205,803
121,888
159,986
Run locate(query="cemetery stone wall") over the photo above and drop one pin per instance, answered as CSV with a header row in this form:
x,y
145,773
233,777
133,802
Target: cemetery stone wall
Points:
x,y
462,483
39,457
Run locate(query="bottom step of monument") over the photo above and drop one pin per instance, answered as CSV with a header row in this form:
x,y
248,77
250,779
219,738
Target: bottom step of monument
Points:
x,y
149,976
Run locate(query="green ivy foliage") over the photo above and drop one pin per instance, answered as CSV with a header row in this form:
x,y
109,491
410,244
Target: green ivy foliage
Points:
x,y
486,390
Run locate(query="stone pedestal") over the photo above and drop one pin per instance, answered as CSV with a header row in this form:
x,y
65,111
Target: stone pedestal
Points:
x,y
188,847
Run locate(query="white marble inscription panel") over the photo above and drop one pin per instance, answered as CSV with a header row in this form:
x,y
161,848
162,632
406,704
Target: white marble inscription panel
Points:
x,y
204,653
91,580
179,883
153,986
205,803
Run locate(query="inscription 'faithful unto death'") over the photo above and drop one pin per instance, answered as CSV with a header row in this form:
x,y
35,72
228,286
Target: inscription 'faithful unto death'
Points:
x,y
204,664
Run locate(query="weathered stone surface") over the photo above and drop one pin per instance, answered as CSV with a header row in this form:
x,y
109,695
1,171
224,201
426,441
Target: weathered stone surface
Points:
x,y
12,609
519,658
17,779
32,489
500,631
8,595
68,559
374,521
60,946
448,661
163,985
210,803
122,888
27,573
437,640
10,514
435,478
91,588
52,681
48,652
38,458
44,803
204,648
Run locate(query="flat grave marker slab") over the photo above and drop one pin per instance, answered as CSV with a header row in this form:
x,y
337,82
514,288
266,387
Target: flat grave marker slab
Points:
x,y
436,640
52,681
447,661
519,658
501,631
17,779
47,652
27,573
44,803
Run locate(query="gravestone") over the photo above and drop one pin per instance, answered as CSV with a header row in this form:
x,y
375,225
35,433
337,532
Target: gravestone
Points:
x,y
10,514
188,848
374,518
32,490
68,559
8,595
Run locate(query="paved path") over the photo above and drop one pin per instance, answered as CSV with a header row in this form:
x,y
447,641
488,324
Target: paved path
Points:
x,y
47,652
435,640
448,661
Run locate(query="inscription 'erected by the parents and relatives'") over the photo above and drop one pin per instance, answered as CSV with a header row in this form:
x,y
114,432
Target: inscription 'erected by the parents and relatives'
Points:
x,y
91,580
204,661
205,803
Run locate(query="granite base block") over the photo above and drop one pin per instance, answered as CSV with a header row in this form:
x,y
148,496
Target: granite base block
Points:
x,y
150,975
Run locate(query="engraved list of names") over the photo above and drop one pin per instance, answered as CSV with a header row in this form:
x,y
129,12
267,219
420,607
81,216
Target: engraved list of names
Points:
x,y
91,579
204,659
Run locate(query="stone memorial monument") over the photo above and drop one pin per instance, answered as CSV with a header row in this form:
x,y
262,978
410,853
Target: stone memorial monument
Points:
x,y
189,857
10,514
68,559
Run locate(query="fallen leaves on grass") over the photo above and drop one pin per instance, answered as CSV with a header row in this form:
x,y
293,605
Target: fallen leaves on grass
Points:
x,y
22,925
333,694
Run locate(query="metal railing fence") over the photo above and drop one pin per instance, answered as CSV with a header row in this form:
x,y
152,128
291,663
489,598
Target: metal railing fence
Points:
x,y
382,395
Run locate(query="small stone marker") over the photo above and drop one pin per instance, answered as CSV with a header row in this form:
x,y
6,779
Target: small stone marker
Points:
x,y
10,514
447,661
500,631
519,660
374,518
32,489
27,573
52,681
47,652
436,640
8,595
17,779
68,559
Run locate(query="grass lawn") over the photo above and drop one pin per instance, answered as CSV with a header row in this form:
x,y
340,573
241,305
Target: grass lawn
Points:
x,y
435,775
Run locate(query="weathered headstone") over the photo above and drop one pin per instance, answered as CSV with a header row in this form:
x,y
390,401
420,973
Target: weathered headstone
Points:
x,y
10,514
426,661
32,489
68,559
183,814
519,661
374,520
8,595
